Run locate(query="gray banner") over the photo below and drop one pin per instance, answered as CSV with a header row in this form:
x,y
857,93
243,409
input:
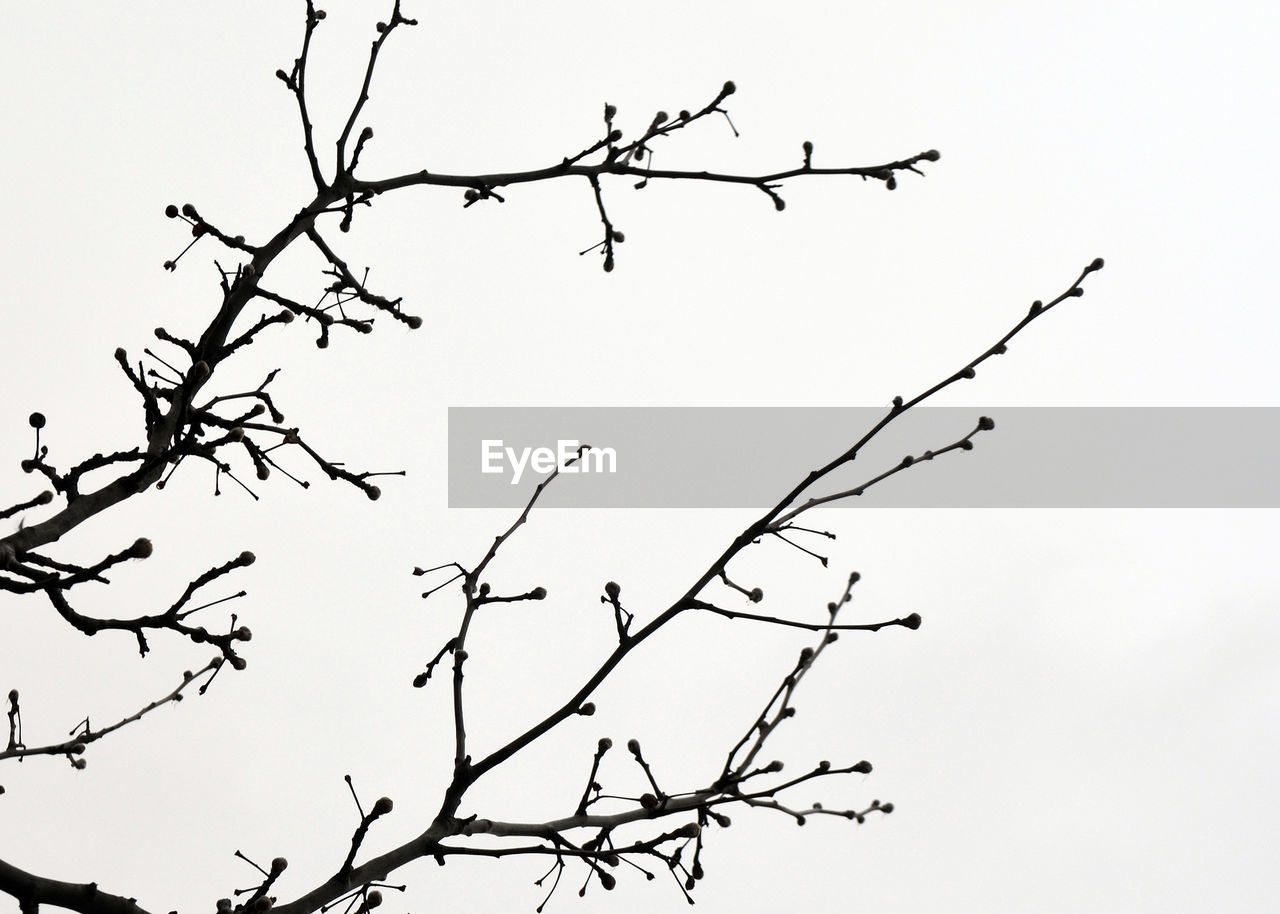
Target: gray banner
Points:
x,y
714,457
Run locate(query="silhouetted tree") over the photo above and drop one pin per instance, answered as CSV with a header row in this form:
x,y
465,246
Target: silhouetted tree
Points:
x,y
189,419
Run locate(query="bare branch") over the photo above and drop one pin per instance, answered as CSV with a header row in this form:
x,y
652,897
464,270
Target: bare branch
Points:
x,y
384,32
297,84
83,736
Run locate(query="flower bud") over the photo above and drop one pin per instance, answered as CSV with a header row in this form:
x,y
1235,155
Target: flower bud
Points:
x,y
633,746
279,865
863,767
912,621
238,662
603,746
383,806
171,211
986,423
140,549
613,590
189,211
729,88
756,595
36,420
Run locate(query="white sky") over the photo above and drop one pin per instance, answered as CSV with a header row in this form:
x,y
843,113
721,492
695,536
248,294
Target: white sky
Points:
x,y
1086,719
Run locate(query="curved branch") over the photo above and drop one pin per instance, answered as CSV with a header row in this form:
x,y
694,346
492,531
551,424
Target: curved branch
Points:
x,y
86,898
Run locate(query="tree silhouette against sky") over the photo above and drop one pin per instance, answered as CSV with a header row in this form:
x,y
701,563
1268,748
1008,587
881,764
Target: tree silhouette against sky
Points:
x,y
194,423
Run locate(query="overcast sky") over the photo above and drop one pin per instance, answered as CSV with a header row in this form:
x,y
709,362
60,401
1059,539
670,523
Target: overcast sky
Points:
x,y
1085,720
